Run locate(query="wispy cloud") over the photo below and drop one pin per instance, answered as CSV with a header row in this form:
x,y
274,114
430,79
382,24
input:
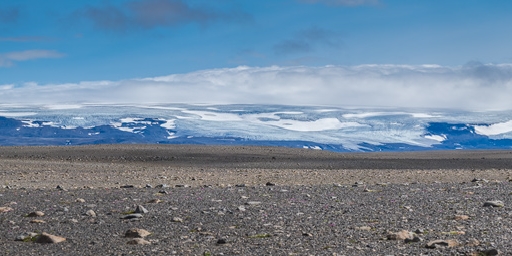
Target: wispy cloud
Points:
x,y
148,14
343,2
470,87
305,41
9,15
8,59
25,39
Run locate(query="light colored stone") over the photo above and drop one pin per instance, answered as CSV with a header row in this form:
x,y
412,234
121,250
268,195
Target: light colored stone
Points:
x,y
495,203
46,238
90,213
141,209
154,201
132,216
401,235
442,243
138,241
461,217
5,209
80,200
37,221
177,219
136,233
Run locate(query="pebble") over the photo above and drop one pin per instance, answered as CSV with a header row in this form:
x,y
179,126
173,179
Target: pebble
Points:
x,y
270,184
442,243
154,201
162,186
140,241
495,203
461,217
222,241
127,186
36,214
136,233
400,235
37,221
25,236
5,209
46,238
132,216
253,203
177,219
80,200
90,213
140,209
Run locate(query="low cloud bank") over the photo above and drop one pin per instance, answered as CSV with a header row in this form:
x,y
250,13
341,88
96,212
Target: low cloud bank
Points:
x,y
471,87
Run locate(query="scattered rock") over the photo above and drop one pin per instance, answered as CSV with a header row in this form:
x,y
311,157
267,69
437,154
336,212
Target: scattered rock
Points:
x,y
37,221
46,238
253,203
442,243
80,200
127,186
182,186
401,235
490,252
26,237
473,242
270,184
138,241
162,186
132,216
154,201
461,217
222,241
495,203
148,186
415,239
136,233
5,209
177,219
35,214
90,213
364,228
141,209
59,187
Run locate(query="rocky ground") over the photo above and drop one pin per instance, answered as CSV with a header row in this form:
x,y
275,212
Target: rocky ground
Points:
x,y
188,200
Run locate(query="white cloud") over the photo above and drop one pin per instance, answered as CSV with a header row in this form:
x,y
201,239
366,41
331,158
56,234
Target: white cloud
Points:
x,y
471,87
8,59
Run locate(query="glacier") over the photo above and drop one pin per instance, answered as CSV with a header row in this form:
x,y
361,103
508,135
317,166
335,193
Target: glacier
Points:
x,y
349,129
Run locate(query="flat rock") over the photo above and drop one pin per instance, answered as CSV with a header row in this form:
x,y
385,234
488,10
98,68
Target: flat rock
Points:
x,y
400,235
46,238
5,209
495,203
132,216
136,233
442,243
36,214
141,209
37,221
138,241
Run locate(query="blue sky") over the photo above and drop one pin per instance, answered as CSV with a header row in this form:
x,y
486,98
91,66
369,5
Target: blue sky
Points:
x,y
73,43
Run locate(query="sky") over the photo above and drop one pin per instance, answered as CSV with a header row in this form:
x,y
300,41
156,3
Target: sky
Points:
x,y
399,53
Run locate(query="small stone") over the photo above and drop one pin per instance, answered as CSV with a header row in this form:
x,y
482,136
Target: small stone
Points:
x,y
127,186
59,187
222,241
162,186
182,186
364,228
46,238
495,203
306,234
141,209
90,213
26,236
154,201
136,233
80,200
419,231
442,243
37,221
415,239
270,184
177,219
140,241
461,217
163,192
490,252
241,208
401,235
36,214
5,209
473,242
253,203
132,216
148,186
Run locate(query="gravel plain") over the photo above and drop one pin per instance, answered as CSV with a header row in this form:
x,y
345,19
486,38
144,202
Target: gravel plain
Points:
x,y
210,200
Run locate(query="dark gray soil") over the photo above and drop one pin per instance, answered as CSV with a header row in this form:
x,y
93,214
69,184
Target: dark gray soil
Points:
x,y
314,208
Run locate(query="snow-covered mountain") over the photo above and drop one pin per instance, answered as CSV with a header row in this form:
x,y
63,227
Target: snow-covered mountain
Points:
x,y
326,128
